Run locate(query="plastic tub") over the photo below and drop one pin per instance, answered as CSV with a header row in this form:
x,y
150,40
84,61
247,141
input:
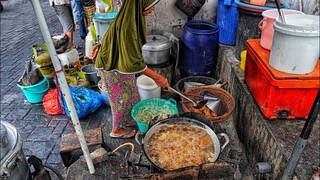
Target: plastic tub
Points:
x,y
266,25
147,88
91,74
146,110
102,22
68,57
258,2
295,47
35,93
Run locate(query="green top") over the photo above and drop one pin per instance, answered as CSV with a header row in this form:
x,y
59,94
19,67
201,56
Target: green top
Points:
x,y
121,45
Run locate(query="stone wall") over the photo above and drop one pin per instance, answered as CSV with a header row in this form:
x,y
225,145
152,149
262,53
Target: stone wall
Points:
x,y
264,140
167,17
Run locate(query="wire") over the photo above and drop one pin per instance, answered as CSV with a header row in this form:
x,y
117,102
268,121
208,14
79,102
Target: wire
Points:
x,y
125,144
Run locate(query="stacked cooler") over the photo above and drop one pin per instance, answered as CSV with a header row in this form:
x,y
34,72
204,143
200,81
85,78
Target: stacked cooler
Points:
x,y
279,94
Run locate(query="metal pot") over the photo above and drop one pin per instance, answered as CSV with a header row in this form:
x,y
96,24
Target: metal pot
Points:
x,y
157,50
13,162
183,120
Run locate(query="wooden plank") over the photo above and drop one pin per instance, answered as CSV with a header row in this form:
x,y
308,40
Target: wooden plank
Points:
x,y
70,142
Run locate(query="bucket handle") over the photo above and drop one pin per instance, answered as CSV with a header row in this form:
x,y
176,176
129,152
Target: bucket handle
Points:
x,y
173,101
48,86
262,25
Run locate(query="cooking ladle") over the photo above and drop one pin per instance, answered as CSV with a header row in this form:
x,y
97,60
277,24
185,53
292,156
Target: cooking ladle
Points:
x,y
280,12
196,105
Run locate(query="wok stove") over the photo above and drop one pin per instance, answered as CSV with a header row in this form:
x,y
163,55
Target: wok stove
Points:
x,y
140,167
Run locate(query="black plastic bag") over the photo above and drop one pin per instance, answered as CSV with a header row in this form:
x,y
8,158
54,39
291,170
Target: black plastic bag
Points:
x,y
190,7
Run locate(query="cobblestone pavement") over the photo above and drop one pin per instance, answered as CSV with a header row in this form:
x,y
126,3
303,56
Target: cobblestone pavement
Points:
x,y
40,132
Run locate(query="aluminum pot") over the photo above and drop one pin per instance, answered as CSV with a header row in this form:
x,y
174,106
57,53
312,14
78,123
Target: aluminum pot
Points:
x,y
13,162
157,50
194,122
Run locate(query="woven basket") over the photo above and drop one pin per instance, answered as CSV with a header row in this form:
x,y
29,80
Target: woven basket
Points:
x,y
226,100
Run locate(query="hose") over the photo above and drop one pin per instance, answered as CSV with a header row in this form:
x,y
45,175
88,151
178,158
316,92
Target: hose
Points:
x,y
125,144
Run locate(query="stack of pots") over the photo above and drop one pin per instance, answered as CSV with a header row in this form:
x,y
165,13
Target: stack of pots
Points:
x,y
13,161
156,54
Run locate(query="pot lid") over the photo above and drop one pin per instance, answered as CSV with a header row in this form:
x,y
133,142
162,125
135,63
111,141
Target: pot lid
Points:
x,y
156,43
8,138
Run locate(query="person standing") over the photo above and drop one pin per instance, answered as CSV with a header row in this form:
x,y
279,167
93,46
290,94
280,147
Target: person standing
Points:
x,y
119,59
77,9
64,12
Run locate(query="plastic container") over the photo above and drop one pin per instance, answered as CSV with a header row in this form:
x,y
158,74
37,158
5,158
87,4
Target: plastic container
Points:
x,y
295,47
243,57
35,93
147,88
68,57
227,20
266,25
278,94
152,107
91,74
258,2
199,48
102,22
89,45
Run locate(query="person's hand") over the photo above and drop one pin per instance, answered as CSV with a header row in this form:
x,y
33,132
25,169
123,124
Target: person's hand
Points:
x,y
95,51
147,12
160,80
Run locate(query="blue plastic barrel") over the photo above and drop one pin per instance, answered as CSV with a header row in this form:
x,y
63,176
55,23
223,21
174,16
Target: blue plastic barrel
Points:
x,y
227,20
199,48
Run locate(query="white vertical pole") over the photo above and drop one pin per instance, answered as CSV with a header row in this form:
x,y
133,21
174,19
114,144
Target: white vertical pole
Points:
x,y
62,81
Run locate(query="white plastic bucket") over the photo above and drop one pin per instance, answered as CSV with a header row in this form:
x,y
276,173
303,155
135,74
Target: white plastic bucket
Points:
x,y
266,25
295,47
147,88
68,57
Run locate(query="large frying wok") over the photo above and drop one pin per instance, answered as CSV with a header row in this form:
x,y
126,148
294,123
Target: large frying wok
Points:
x,y
194,122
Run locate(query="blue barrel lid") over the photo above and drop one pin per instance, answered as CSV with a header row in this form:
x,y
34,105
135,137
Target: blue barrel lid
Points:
x,y
105,16
201,27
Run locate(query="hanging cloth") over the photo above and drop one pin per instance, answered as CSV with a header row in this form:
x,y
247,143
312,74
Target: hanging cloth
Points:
x,y
121,45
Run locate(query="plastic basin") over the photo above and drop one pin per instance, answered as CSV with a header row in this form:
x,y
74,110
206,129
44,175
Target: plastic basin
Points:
x,y
146,110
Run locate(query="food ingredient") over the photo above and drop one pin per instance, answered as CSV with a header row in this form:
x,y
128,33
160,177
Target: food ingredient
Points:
x,y
175,146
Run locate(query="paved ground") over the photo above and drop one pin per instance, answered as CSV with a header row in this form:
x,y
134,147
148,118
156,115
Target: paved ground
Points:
x,y
40,132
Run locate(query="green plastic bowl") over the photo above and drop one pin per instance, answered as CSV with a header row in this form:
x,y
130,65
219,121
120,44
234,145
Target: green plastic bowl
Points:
x,y
146,110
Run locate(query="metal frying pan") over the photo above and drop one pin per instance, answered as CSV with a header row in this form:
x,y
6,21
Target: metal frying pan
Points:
x,y
182,120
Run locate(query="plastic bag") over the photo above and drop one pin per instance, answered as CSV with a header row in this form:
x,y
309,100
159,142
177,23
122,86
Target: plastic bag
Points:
x,y
190,7
86,101
51,102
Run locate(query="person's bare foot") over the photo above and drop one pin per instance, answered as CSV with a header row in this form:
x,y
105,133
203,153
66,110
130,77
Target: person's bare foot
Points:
x,y
122,133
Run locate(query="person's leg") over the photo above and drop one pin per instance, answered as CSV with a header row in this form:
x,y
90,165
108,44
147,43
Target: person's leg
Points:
x,y
123,95
81,20
64,13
